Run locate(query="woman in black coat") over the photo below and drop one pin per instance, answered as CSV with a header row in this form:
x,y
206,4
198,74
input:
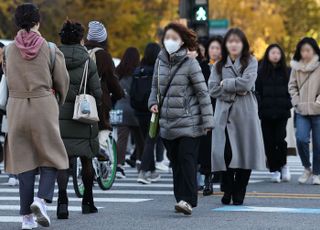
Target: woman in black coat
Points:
x,y
213,54
80,140
274,110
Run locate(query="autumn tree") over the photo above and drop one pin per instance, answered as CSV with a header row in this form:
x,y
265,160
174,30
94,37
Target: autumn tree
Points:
x,y
129,23
269,21
301,18
259,19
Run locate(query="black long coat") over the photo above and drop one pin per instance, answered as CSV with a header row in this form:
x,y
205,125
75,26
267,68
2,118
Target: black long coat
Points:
x,y
272,94
80,139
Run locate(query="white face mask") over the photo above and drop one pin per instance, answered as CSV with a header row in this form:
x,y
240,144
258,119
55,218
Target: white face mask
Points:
x,y
172,46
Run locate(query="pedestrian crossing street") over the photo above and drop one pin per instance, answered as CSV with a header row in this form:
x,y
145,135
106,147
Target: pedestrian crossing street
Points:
x,y
123,191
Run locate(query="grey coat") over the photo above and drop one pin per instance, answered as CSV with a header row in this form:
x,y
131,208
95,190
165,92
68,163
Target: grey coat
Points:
x,y
238,115
187,109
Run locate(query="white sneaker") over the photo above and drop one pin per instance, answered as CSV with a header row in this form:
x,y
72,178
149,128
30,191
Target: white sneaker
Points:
x,y
28,222
183,207
276,177
154,176
12,181
143,178
285,173
316,180
162,167
39,209
305,176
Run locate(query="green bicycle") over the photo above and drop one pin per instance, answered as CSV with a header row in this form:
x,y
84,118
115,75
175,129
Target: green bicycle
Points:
x,y
104,165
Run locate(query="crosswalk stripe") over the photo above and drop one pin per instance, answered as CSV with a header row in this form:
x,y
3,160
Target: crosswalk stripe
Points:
x,y
10,219
97,200
49,208
267,209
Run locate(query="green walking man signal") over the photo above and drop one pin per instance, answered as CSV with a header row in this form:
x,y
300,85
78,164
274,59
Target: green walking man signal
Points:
x,y
201,14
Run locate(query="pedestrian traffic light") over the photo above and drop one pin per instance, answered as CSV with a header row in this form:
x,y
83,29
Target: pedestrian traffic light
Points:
x,y
200,17
201,13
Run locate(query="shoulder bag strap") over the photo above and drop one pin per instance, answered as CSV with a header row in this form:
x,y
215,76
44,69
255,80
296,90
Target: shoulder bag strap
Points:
x,y
158,94
52,48
169,82
84,77
305,81
5,57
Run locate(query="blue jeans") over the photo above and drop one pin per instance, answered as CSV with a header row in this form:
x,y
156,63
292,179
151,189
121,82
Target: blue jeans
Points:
x,y
304,125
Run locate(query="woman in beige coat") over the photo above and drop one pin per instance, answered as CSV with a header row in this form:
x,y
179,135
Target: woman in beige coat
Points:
x,y
304,88
36,73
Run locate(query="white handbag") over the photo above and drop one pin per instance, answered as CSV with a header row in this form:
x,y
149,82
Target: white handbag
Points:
x,y
4,126
85,107
3,93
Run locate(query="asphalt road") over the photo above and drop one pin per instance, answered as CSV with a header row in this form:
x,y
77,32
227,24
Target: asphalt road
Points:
x,y
132,206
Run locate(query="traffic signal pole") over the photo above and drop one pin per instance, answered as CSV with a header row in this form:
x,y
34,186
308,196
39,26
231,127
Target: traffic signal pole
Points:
x,y
197,14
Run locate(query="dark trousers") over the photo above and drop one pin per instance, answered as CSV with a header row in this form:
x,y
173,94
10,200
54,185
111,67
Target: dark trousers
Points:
x,y
148,162
183,154
122,143
234,180
205,154
87,179
26,187
274,135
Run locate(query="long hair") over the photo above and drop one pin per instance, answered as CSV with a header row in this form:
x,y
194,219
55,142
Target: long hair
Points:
x,y
306,40
129,61
188,36
266,66
150,55
218,39
245,54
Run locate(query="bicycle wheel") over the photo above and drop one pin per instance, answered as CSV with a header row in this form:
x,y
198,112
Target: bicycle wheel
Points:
x,y
107,168
77,177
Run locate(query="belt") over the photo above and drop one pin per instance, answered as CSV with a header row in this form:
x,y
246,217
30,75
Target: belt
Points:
x,y
30,94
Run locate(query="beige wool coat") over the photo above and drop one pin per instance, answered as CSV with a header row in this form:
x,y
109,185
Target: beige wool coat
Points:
x,y
304,87
33,138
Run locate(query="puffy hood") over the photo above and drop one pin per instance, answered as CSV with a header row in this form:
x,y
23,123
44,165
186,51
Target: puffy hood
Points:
x,y
75,55
309,67
29,43
174,58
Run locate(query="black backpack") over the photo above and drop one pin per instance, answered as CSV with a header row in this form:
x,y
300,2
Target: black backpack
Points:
x,y
141,88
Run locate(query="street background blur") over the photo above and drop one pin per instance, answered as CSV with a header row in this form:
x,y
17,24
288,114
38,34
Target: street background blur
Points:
x,y
136,22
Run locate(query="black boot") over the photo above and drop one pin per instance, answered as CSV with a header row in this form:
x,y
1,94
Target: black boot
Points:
x,y
208,186
228,182
238,196
62,208
241,182
88,204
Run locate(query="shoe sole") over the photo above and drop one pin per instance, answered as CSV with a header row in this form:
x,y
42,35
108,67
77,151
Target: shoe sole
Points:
x,y
207,193
29,228
304,182
40,218
63,217
307,181
120,177
141,181
162,169
182,210
155,179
